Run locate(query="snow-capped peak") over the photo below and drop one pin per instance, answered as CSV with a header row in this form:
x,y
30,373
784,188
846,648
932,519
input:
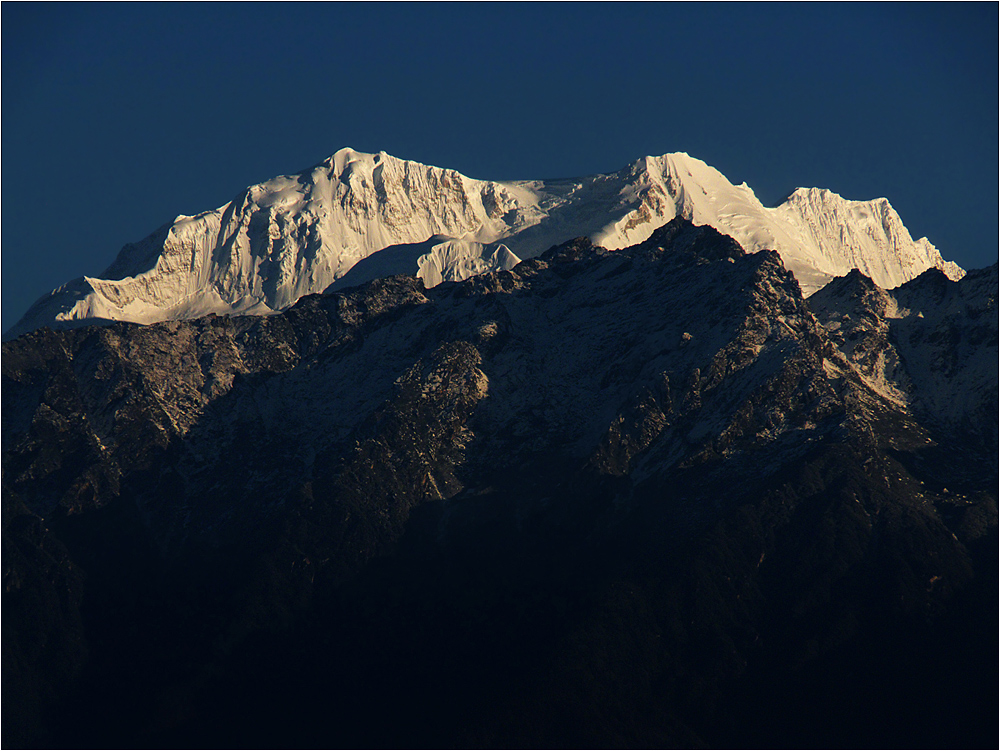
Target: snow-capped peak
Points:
x,y
298,234
867,235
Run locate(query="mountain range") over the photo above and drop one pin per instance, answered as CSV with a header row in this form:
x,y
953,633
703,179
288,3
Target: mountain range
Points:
x,y
635,490
355,217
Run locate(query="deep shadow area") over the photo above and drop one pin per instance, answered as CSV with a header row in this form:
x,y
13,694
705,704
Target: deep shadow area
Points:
x,y
573,504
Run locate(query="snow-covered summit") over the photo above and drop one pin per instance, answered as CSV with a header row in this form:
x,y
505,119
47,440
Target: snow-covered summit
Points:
x,y
841,235
298,234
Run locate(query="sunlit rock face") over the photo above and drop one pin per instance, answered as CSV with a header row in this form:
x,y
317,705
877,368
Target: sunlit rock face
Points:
x,y
299,234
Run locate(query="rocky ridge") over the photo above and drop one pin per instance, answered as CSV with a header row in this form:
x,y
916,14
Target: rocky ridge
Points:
x,y
577,501
930,344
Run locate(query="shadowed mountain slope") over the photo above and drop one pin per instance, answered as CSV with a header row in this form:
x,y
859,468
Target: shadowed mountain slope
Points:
x,y
635,498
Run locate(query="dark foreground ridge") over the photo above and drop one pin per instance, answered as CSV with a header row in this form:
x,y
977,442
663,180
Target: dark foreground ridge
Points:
x,y
633,498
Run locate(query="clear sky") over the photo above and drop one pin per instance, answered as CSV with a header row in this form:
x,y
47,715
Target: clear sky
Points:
x,y
118,117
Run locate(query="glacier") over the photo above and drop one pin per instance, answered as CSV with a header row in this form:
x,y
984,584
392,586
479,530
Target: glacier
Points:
x,y
357,216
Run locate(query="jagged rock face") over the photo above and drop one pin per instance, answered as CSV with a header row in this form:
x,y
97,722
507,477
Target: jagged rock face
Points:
x,y
633,497
930,344
298,235
125,393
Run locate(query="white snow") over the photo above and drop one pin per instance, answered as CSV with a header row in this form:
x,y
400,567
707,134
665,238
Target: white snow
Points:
x,y
439,259
299,234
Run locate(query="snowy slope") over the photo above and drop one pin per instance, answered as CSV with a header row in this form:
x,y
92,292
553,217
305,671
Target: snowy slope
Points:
x,y
839,235
299,234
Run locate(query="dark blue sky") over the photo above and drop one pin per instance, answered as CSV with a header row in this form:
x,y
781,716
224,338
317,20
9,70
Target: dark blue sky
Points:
x,y
118,117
